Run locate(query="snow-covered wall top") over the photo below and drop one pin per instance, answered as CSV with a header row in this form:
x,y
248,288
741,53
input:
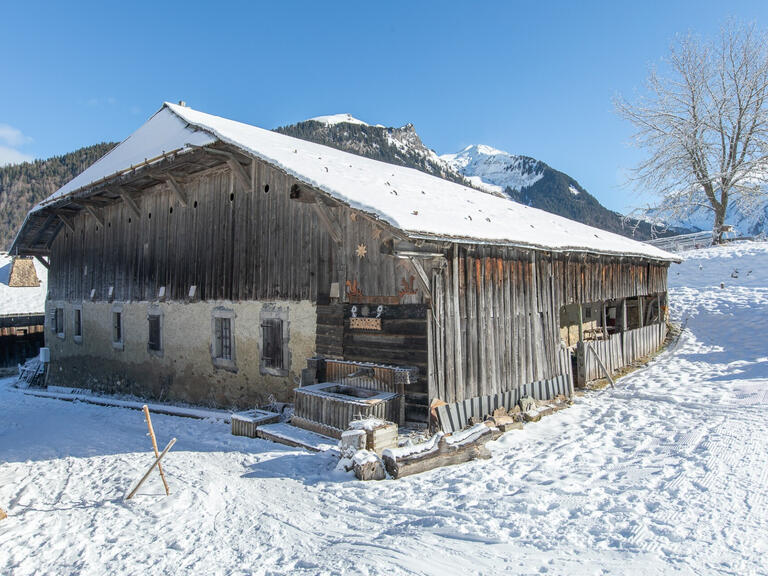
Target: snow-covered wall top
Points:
x,y
21,300
421,205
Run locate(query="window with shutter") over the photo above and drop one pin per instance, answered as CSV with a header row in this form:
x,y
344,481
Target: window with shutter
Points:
x,y
272,338
275,353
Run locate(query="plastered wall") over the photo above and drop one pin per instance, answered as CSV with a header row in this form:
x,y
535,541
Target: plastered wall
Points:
x,y
184,370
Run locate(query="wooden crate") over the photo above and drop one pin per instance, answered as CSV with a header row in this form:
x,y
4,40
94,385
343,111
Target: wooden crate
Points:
x,y
246,423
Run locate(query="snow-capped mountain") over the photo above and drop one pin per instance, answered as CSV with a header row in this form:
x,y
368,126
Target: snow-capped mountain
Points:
x,y
401,146
533,182
494,169
522,178
334,119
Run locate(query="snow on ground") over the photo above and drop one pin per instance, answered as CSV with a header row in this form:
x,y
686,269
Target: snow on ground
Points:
x,y
667,474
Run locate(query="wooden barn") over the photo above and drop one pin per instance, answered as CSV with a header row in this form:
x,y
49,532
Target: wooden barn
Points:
x,y
211,261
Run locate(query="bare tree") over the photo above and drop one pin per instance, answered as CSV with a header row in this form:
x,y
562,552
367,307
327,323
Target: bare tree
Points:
x,y
705,126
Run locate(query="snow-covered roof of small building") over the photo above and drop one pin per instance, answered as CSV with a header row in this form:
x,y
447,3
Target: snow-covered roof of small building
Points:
x,y
421,205
17,300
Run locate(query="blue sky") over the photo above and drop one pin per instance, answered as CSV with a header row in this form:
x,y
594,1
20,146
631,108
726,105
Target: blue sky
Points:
x,y
531,78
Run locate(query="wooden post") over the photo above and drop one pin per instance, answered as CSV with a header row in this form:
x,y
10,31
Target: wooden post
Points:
x,y
640,312
148,472
658,306
154,447
581,324
605,321
459,364
623,314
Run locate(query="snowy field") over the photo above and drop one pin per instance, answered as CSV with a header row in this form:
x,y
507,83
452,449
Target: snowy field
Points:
x,y
667,474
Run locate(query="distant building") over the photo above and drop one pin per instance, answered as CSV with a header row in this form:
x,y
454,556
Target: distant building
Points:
x,y
22,309
207,260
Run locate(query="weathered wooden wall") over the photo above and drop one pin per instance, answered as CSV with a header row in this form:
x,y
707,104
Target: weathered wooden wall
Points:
x,y
506,305
231,243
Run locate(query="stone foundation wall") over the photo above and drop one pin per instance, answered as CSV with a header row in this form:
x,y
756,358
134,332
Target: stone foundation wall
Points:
x,y
184,369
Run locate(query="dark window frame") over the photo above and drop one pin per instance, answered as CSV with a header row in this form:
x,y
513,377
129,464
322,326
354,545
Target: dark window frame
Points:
x,y
155,330
118,327
77,323
223,349
275,352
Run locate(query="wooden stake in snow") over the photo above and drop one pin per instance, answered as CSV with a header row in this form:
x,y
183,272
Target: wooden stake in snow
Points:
x,y
154,447
3,515
148,472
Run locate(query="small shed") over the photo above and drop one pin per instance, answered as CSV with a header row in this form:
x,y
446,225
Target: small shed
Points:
x,y
22,309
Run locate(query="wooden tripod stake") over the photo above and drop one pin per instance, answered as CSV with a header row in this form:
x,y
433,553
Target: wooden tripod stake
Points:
x,y
148,472
154,447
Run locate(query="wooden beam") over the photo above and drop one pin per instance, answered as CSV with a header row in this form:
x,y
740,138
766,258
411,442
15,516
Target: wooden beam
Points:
x,y
623,314
240,174
327,218
253,174
48,222
96,213
92,201
43,261
67,221
459,363
56,231
131,203
177,189
421,274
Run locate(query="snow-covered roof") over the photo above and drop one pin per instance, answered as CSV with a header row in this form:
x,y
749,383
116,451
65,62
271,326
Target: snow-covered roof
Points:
x,y
21,300
163,133
421,205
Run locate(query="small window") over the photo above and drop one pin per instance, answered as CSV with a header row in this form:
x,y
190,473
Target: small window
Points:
x,y
272,338
223,344
155,340
275,354
77,324
223,348
117,327
59,322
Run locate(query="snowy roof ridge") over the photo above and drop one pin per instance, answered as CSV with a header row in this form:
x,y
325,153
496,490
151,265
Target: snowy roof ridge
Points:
x,y
421,205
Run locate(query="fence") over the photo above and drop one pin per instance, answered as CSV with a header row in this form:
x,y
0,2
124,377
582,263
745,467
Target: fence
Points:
x,y
618,350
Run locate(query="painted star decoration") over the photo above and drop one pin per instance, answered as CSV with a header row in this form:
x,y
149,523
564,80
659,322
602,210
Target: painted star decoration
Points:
x,y
361,251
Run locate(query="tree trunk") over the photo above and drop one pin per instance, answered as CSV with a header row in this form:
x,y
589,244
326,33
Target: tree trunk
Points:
x,y
717,229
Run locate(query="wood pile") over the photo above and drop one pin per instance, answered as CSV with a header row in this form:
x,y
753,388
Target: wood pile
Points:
x,y
440,450
379,434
